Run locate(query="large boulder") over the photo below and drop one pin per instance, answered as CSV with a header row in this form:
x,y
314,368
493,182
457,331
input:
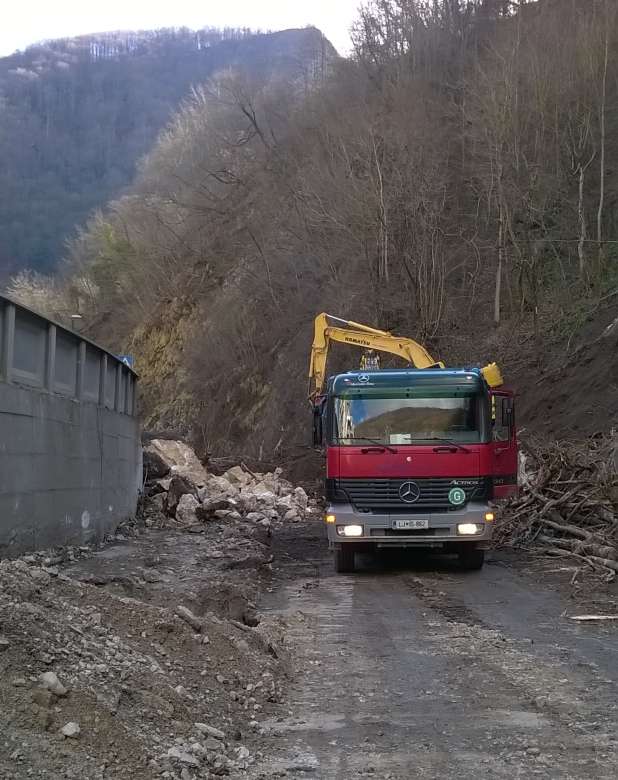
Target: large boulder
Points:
x,y
285,487
222,485
247,501
292,516
186,509
284,503
157,487
301,499
266,498
237,476
268,484
179,458
154,465
179,487
207,510
227,514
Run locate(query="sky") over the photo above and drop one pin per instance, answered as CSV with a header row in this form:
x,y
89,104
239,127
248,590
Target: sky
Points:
x,y
29,21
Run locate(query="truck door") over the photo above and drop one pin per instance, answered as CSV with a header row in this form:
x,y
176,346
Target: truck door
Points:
x,y
504,444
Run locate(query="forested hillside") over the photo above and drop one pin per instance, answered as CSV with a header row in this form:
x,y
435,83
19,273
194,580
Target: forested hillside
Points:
x,y
76,115
456,180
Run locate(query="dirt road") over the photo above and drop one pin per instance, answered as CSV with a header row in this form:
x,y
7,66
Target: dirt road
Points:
x,y
404,670
418,670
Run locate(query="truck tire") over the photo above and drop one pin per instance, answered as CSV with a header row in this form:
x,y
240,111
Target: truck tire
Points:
x,y
472,559
344,559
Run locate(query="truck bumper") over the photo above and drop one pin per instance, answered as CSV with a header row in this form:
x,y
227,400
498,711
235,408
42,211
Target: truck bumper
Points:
x,y
380,530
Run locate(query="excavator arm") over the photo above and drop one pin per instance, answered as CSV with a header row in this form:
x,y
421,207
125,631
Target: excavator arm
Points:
x,y
328,328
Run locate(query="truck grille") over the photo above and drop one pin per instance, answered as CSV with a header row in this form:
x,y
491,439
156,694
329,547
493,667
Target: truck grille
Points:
x,y
384,494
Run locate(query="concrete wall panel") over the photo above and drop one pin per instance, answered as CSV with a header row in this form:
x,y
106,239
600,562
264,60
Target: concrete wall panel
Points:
x,y
69,466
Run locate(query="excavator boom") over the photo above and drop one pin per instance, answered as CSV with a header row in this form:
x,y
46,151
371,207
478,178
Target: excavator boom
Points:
x,y
328,328
358,335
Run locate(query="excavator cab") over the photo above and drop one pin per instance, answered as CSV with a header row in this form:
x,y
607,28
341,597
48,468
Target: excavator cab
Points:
x,y
370,361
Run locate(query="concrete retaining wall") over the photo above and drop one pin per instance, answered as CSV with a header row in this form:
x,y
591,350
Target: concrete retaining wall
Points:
x,y
70,455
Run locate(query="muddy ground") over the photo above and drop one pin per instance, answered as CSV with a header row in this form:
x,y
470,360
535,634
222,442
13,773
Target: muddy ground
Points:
x,y
409,668
161,659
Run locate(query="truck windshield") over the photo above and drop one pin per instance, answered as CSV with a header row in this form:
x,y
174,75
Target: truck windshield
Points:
x,y
408,420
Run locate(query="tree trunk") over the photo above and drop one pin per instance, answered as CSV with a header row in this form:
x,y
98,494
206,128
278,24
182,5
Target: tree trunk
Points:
x,y
383,241
582,224
498,290
603,133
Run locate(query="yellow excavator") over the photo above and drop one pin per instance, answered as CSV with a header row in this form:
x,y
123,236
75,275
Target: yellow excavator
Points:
x,y
328,328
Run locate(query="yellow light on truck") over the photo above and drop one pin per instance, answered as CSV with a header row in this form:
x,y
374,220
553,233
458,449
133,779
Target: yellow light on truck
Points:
x,y
489,517
331,518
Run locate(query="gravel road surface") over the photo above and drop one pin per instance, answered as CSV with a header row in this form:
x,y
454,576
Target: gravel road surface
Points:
x,y
414,669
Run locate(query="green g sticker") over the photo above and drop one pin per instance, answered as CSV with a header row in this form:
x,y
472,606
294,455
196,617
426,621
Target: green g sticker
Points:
x,y
457,496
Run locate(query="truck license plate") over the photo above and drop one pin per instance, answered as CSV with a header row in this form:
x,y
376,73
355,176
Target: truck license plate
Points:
x,y
411,524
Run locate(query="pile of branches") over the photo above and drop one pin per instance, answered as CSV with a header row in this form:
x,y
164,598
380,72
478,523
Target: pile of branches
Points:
x,y
568,504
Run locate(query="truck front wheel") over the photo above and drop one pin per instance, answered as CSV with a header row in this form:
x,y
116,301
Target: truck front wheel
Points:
x,y
344,559
471,559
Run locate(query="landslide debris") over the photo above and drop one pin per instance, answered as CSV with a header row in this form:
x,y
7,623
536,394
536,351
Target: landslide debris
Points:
x,y
568,505
147,658
163,457
188,496
98,685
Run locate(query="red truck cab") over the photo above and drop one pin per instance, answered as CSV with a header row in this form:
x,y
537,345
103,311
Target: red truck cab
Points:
x,y
415,458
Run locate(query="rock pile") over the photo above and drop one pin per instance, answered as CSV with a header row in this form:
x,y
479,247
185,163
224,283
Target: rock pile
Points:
x,y
126,689
148,658
190,496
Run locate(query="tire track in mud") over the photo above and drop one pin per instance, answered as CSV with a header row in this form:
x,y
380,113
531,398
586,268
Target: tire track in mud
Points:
x,y
549,681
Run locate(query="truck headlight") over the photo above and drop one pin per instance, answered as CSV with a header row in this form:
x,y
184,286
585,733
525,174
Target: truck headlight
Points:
x,y
469,529
350,530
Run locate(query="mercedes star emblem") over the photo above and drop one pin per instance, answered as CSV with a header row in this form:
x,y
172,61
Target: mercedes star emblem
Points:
x,y
409,492
363,378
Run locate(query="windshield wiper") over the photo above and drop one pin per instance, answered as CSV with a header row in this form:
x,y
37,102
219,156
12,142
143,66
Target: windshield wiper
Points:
x,y
449,442
377,442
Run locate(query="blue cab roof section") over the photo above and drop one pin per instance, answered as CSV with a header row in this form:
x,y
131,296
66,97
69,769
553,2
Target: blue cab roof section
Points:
x,y
407,377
